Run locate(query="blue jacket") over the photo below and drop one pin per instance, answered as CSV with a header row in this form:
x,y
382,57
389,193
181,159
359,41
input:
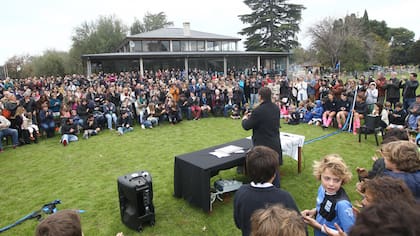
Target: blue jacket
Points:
x,y
317,110
411,179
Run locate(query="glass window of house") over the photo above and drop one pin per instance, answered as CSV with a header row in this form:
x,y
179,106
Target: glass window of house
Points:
x,y
217,45
232,46
155,46
210,45
136,48
200,46
193,45
176,46
164,46
144,46
225,46
184,46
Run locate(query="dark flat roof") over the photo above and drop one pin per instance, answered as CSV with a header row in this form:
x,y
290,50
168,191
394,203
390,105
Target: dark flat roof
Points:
x,y
136,55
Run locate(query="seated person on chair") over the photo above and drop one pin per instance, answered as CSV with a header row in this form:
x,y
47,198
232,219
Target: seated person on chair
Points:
x,y
330,110
344,106
397,117
414,114
383,113
46,120
261,167
314,116
6,131
205,104
359,112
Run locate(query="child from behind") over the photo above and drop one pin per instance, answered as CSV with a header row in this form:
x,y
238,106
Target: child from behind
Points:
x,y
277,220
332,203
261,167
61,223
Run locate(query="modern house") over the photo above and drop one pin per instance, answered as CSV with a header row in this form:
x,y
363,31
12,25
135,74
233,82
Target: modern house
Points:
x,y
184,49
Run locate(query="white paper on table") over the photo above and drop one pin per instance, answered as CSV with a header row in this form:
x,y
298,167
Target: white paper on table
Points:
x,y
229,149
219,154
226,151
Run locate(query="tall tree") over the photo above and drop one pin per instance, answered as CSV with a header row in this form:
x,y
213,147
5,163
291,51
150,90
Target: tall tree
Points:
x,y
365,22
376,49
19,66
415,53
137,27
304,57
273,25
50,63
103,35
402,41
150,22
380,28
330,36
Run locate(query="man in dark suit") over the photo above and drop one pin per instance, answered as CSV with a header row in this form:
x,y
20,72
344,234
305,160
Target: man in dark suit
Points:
x,y
265,125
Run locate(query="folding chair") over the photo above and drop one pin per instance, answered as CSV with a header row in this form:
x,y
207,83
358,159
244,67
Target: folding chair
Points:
x,y
372,126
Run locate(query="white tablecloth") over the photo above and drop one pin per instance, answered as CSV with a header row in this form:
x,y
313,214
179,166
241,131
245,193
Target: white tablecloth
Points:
x,y
290,144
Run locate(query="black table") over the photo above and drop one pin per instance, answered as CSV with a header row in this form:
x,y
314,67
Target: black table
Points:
x,y
192,172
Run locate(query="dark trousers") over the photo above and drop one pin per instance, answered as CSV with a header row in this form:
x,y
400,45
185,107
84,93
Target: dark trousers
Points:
x,y
393,101
276,181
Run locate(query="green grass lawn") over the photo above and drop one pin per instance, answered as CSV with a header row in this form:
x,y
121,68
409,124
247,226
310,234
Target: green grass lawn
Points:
x,y
84,175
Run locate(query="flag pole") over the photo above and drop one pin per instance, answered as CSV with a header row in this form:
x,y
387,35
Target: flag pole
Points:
x,y
339,69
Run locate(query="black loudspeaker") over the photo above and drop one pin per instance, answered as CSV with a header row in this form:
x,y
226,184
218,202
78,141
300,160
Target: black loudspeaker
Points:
x,y
136,200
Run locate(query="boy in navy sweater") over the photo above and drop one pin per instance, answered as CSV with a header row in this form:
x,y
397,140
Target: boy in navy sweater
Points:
x,y
261,166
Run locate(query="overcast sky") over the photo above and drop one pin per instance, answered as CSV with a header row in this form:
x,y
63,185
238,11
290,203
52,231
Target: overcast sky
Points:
x,y
31,27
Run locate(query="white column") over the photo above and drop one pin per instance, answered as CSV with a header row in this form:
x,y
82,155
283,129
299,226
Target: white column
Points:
x,y
287,64
225,66
141,67
88,68
186,68
258,63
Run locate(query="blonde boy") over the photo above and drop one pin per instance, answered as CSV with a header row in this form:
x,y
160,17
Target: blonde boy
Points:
x,y
332,202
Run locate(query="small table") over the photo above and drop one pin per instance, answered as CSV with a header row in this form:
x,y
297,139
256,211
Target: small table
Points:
x,y
291,145
192,171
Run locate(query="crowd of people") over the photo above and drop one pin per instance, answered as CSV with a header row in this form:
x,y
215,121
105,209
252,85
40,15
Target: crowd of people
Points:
x,y
44,105
326,102
73,105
